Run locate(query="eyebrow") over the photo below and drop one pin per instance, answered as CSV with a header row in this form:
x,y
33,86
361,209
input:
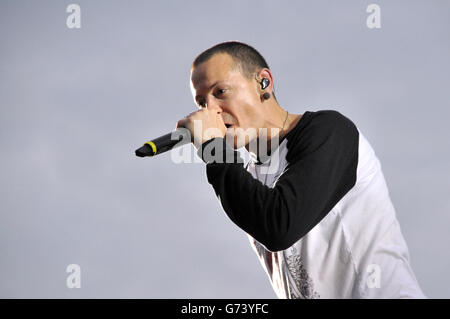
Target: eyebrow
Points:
x,y
214,84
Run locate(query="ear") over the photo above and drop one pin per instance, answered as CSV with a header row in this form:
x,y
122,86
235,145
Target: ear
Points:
x,y
265,73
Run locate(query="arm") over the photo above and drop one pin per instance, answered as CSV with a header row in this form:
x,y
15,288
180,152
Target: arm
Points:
x,y
323,171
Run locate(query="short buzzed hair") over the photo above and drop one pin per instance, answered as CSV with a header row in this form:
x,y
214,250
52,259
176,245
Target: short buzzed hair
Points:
x,y
247,59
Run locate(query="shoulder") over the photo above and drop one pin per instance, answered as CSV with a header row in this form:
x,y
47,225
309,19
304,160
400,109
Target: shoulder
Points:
x,y
320,122
330,120
320,128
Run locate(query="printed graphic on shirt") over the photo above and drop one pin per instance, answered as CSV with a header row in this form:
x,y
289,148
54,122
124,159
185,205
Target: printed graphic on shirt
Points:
x,y
303,281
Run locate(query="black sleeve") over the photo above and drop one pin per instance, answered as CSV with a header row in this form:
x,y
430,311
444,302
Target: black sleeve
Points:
x,y
323,161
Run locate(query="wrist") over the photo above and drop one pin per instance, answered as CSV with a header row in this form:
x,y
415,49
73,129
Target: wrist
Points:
x,y
216,150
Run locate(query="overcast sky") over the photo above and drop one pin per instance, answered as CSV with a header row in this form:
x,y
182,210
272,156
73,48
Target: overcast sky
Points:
x,y
76,103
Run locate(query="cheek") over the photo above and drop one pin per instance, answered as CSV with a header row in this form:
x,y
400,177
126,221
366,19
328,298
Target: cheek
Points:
x,y
246,111
248,98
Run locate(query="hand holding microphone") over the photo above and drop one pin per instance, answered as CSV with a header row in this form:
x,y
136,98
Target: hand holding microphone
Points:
x,y
204,125
197,127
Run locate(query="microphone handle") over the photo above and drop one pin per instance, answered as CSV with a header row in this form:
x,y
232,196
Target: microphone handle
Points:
x,y
164,143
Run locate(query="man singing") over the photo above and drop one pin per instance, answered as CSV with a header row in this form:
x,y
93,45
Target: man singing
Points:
x,y
316,208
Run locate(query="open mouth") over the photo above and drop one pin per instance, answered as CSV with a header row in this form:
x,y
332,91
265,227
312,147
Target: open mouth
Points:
x,y
228,125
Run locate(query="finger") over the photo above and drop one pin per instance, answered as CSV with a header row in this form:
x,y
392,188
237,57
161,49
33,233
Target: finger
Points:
x,y
192,113
220,118
182,122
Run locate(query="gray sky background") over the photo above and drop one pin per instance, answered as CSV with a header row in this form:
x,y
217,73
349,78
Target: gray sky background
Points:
x,y
76,103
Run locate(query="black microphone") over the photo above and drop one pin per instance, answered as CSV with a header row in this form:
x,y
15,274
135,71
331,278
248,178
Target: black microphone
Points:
x,y
165,143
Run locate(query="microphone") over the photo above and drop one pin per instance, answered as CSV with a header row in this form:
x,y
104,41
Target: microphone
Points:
x,y
165,143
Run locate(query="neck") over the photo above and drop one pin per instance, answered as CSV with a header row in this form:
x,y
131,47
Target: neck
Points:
x,y
275,121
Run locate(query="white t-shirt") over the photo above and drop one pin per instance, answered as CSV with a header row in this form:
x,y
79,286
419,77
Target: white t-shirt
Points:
x,y
321,220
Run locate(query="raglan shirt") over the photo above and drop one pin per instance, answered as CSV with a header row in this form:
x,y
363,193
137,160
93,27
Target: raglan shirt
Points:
x,y
317,213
